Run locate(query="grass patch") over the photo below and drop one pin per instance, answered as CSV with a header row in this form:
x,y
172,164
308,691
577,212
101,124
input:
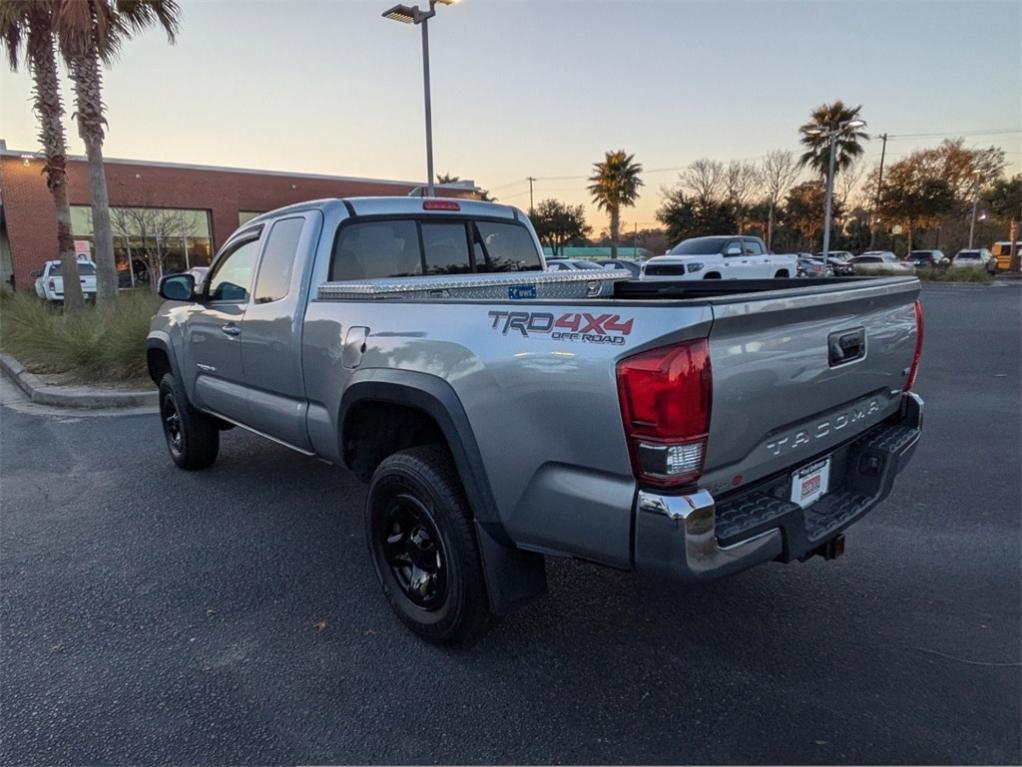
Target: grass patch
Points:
x,y
972,274
100,343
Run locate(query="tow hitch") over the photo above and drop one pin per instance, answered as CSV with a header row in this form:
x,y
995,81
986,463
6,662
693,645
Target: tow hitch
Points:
x,y
833,548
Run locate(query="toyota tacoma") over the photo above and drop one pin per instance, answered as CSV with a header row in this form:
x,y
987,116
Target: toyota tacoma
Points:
x,y
502,414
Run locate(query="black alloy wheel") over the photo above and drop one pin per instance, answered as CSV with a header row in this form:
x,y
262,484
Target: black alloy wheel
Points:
x,y
414,551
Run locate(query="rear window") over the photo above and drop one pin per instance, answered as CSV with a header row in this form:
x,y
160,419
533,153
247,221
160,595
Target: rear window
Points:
x,y
968,255
409,247
86,269
446,248
505,248
377,249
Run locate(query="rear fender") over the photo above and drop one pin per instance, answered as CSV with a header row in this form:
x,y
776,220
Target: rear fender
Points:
x,y
513,576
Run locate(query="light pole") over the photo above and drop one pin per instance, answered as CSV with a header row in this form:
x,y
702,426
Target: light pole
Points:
x,y
414,15
832,136
975,202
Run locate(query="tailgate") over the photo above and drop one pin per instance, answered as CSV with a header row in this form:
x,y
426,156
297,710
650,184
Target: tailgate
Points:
x,y
798,372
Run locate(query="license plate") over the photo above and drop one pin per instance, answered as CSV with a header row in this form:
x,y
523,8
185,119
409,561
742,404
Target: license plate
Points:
x,y
810,482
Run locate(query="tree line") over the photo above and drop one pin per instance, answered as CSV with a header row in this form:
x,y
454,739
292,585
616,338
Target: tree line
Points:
x,y
925,199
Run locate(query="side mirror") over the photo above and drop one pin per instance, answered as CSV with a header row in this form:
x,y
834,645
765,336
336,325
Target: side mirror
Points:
x,y
733,250
178,287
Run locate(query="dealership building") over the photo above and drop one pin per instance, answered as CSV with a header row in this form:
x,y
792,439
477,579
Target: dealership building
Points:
x,y
183,212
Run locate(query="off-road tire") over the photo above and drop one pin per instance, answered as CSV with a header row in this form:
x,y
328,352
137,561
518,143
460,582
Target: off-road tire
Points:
x,y
424,480
193,438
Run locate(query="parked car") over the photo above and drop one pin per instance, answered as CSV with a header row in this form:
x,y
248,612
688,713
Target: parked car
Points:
x,y
810,266
49,285
723,257
840,255
621,263
500,418
933,259
569,264
975,258
880,262
841,267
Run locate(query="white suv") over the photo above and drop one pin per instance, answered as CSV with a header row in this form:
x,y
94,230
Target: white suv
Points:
x,y
49,285
715,258
975,258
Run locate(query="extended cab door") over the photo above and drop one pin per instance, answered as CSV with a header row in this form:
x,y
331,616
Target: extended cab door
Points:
x,y
214,330
271,338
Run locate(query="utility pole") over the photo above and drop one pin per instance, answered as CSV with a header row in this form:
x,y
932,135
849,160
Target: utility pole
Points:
x,y
972,223
431,192
876,201
531,207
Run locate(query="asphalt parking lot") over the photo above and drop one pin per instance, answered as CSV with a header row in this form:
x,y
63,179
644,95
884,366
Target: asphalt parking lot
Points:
x,y
152,616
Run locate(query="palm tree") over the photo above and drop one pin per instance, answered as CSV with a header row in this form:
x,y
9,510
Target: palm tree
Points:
x,y
828,118
26,27
615,185
91,32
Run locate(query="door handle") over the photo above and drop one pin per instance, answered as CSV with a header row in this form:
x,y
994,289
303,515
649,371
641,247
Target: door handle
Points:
x,y
231,329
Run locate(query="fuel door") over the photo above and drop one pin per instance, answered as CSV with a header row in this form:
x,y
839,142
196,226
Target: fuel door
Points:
x,y
354,346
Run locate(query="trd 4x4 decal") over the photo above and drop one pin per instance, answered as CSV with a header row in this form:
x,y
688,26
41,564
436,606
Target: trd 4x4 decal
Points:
x,y
573,326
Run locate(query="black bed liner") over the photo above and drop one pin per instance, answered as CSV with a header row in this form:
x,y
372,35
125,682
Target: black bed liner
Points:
x,y
710,288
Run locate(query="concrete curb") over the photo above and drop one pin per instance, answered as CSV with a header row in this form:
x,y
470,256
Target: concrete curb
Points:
x,y
91,397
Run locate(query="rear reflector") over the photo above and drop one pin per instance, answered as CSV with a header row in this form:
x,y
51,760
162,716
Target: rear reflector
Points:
x,y
440,205
665,397
914,370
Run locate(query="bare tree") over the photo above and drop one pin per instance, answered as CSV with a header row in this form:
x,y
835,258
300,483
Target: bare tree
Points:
x,y
780,170
705,179
743,181
848,183
156,224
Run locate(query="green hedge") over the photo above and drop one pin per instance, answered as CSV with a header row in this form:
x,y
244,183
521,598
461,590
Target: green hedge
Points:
x,y
100,343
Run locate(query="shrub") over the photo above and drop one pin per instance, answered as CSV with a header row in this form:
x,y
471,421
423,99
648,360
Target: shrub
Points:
x,y
929,274
100,343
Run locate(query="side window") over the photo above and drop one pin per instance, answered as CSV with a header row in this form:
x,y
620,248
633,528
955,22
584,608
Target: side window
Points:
x,y
376,249
753,248
446,248
505,248
274,278
232,277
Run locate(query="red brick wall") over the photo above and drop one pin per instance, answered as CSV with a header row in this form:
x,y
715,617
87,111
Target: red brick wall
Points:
x,y
32,230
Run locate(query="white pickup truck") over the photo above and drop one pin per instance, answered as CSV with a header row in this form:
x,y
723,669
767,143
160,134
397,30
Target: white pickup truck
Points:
x,y
49,285
719,257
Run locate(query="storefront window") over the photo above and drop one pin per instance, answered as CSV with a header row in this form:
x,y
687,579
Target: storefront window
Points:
x,y
244,216
151,240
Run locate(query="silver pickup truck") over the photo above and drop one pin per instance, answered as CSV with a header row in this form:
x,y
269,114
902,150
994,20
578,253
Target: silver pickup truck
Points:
x,y
502,414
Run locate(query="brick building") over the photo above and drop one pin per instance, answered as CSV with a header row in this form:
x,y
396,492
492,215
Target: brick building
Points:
x,y
185,211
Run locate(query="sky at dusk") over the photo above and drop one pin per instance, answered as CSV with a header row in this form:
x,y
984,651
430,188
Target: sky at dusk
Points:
x,y
526,88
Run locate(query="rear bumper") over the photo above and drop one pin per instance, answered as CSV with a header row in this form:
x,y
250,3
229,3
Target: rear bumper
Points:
x,y
694,536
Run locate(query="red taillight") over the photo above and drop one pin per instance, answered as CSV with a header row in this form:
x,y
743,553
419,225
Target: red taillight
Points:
x,y
440,205
912,371
665,398
53,284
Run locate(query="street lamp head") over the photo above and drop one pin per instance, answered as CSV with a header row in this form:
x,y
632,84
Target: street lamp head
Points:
x,y
857,123
446,2
402,13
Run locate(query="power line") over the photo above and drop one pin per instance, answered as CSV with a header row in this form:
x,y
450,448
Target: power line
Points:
x,y
949,134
